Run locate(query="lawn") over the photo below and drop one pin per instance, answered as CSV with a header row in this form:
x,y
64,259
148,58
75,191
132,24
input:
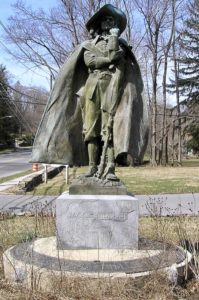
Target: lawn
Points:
x,y
11,177
159,180
139,180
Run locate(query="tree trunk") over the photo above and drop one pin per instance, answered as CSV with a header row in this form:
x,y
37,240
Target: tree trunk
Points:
x,y
176,67
154,108
164,84
173,134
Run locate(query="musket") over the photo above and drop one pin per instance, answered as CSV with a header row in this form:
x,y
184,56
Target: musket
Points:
x,y
113,45
105,147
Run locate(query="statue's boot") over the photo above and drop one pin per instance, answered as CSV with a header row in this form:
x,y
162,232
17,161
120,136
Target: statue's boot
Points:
x,y
93,152
92,171
109,173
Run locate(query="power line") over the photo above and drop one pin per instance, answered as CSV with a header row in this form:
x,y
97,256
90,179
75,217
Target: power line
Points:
x,y
177,116
19,116
23,94
16,111
28,102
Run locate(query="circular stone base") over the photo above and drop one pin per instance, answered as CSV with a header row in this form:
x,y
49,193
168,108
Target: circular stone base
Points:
x,y
37,263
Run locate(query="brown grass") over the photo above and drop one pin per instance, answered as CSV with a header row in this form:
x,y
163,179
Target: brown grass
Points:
x,y
119,289
18,229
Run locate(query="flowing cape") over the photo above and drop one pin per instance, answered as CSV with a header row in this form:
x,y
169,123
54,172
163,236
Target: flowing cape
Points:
x,y
59,137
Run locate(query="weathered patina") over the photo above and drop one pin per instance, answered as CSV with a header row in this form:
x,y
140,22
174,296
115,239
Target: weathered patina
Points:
x,y
96,111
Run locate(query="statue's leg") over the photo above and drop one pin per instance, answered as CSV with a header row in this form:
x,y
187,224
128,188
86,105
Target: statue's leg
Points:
x,y
93,154
108,161
92,127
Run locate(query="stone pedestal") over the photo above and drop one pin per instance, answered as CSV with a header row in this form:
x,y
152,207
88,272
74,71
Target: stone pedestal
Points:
x,y
97,222
95,186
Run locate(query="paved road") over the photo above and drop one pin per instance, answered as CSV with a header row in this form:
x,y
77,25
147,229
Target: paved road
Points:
x,y
164,205
18,204
14,162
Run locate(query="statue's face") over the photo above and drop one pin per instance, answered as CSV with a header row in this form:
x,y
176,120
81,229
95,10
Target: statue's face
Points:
x,y
107,23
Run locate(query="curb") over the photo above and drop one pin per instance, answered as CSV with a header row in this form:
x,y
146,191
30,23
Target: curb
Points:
x,y
28,182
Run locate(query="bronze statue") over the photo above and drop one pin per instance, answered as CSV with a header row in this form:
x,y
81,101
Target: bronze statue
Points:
x,y
96,111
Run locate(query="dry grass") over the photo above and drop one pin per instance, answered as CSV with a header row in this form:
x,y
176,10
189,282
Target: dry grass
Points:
x,y
170,229
120,289
15,229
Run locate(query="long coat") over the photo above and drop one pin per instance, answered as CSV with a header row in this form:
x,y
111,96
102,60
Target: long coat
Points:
x,y
59,137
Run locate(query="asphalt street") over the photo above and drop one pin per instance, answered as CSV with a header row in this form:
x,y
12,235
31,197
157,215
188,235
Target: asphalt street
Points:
x,y
14,162
28,204
149,205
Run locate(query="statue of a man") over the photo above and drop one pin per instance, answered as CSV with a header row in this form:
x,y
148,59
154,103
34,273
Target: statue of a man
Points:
x,y
96,111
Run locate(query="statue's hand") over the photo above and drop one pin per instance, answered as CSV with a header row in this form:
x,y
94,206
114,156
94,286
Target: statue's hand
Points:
x,y
115,55
115,31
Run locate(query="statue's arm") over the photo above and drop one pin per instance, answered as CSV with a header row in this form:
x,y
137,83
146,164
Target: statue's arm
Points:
x,y
115,52
93,61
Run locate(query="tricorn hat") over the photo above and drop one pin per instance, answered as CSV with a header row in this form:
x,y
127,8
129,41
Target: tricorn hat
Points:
x,y
107,10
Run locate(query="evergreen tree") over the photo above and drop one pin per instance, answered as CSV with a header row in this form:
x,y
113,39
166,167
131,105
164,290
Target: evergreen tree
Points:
x,y
193,143
6,117
188,80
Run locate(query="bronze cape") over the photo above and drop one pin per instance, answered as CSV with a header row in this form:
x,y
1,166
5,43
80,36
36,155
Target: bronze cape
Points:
x,y
59,137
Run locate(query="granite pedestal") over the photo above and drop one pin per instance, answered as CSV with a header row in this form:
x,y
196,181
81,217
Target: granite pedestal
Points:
x,y
97,222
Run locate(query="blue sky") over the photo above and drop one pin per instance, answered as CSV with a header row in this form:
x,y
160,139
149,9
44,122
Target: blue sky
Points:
x,y
17,70
6,9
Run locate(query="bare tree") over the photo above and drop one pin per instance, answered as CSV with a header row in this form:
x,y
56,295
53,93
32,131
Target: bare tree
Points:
x,y
29,104
166,46
43,39
159,19
155,15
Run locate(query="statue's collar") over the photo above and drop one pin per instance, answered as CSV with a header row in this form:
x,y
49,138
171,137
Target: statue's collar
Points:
x,y
99,37
96,39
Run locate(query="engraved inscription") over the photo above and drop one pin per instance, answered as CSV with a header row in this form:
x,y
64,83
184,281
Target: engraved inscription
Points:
x,y
123,216
118,213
